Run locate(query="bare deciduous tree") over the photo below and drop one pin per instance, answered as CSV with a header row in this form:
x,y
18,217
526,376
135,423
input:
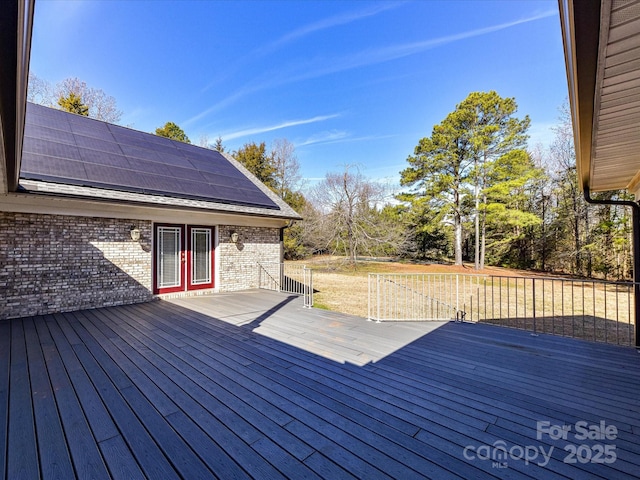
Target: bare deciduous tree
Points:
x,y
345,216
40,92
101,106
203,141
287,168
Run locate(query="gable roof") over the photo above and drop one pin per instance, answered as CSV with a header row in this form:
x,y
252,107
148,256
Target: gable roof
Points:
x,y
73,155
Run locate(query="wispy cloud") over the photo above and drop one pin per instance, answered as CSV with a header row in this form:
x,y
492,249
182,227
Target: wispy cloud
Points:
x,y
303,31
394,52
279,126
323,137
246,90
340,137
308,70
325,24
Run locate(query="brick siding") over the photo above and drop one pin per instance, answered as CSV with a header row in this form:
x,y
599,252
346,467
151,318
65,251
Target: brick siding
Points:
x,y
57,263
238,261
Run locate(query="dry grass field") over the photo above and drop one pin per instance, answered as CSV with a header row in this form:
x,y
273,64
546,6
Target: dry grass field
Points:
x,y
343,287
561,306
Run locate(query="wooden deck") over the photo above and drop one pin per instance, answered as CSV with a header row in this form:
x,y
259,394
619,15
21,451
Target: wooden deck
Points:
x,y
252,385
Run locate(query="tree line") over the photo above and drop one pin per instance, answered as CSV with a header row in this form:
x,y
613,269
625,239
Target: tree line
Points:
x,y
472,192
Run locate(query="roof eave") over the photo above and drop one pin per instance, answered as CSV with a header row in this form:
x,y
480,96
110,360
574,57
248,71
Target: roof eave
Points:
x,y
16,23
36,188
580,19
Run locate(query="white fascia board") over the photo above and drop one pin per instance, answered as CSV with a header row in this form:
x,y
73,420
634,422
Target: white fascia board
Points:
x,y
51,205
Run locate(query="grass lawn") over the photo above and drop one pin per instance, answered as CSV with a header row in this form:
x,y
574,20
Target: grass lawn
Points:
x,y
343,287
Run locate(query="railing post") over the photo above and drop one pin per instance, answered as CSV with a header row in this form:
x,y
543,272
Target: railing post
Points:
x,y
259,275
457,295
378,297
307,286
535,334
280,275
369,297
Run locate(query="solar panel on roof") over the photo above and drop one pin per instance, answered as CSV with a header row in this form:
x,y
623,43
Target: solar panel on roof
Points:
x,y
187,174
68,148
104,158
98,173
215,166
97,144
40,120
51,167
47,112
223,180
92,131
137,152
153,167
46,147
47,133
170,158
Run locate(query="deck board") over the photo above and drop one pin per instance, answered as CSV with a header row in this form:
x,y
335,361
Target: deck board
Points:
x,y
23,461
122,465
52,447
238,428
253,385
85,452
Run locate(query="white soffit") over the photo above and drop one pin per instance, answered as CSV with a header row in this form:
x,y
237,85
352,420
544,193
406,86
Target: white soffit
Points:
x,y
615,159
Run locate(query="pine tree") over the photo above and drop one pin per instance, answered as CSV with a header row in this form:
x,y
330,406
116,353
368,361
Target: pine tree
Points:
x,y
73,103
456,162
172,131
255,159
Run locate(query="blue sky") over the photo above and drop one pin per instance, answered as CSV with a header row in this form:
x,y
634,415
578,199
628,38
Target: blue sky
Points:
x,y
347,82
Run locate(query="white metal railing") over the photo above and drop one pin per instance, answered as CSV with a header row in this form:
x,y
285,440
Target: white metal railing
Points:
x,y
419,297
587,309
288,278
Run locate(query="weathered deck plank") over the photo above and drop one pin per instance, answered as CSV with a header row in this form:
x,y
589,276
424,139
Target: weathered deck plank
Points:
x,y
252,385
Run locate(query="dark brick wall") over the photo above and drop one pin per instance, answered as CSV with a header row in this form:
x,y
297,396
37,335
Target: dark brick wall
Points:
x,y
53,263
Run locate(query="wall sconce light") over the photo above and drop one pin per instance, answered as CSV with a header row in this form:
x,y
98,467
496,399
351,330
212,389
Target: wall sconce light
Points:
x,y
135,233
235,237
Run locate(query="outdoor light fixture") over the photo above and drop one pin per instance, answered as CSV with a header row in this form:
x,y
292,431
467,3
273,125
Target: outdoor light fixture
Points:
x,y
135,233
235,237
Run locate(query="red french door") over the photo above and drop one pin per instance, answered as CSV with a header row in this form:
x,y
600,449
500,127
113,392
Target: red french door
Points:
x,y
183,258
199,257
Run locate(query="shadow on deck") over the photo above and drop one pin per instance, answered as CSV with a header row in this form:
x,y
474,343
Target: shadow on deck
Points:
x,y
252,385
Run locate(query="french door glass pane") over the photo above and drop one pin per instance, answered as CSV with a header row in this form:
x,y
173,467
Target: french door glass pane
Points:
x,y
201,251
169,257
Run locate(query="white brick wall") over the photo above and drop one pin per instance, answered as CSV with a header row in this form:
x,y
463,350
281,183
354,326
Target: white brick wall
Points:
x,y
238,261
